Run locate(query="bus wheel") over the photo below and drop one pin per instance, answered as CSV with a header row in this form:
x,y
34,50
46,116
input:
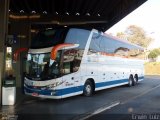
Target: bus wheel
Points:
x,y
130,81
136,78
88,88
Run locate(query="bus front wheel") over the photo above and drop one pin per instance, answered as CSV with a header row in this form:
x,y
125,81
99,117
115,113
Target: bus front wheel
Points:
x,y
88,88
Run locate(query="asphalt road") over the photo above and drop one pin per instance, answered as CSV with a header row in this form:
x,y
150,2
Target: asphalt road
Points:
x,y
144,105
116,103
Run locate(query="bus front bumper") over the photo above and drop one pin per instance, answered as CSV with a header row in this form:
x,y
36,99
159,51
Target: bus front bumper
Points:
x,y
53,94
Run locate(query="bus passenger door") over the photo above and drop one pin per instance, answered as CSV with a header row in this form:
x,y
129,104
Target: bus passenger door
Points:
x,y
77,81
71,83
70,66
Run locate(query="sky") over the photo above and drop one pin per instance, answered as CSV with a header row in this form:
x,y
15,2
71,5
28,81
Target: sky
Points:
x,y
147,16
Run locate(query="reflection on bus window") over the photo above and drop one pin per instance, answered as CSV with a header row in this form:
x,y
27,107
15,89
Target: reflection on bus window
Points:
x,y
40,66
121,51
49,38
136,53
109,46
71,60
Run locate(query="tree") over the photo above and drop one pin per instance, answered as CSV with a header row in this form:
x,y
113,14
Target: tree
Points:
x,y
154,53
136,35
121,35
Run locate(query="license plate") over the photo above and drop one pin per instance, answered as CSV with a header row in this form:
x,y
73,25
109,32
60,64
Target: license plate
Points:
x,y
34,94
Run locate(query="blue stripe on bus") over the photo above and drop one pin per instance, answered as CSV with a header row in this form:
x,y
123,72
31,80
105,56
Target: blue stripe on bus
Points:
x,y
103,84
141,77
71,90
75,89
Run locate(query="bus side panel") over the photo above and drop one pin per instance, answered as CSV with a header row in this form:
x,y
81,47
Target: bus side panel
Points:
x,y
72,85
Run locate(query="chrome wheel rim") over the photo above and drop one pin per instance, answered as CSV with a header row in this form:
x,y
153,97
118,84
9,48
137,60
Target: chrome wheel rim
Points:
x,y
135,80
130,82
88,89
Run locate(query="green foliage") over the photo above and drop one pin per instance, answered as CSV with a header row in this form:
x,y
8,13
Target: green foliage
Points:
x,y
154,53
135,35
121,35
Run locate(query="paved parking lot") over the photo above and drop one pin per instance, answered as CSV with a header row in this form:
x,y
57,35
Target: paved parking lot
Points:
x,y
120,101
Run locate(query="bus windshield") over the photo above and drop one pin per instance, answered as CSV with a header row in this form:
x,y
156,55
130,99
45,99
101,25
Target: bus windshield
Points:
x,y
41,67
48,38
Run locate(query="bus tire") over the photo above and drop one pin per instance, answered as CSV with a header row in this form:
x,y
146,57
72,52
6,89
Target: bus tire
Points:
x,y
136,78
88,88
130,81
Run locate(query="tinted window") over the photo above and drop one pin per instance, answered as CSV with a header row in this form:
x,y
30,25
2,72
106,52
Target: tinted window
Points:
x,y
108,45
121,51
77,36
136,53
49,38
41,67
71,60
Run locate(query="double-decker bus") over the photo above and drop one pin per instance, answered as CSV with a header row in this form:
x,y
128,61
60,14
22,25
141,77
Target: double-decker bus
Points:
x,y
66,62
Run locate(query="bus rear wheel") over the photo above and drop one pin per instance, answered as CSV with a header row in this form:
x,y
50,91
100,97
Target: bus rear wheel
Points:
x,y
136,78
88,88
130,81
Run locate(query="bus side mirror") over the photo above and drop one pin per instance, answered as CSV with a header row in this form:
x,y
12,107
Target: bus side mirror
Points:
x,y
61,47
17,52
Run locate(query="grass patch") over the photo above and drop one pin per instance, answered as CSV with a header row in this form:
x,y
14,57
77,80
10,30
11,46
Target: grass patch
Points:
x,y
152,68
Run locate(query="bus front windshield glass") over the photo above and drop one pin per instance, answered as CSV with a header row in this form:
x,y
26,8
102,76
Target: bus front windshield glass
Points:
x,y
41,67
48,38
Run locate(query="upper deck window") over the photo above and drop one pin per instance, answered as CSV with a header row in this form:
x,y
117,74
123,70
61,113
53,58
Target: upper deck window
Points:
x,y
48,38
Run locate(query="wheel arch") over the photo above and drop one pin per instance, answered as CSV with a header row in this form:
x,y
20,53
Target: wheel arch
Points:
x,y
131,75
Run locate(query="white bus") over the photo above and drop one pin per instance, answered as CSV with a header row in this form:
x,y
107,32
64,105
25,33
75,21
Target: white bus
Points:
x,y
67,62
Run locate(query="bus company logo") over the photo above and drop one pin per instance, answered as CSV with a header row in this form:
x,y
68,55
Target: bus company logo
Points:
x,y
55,84
68,84
59,83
